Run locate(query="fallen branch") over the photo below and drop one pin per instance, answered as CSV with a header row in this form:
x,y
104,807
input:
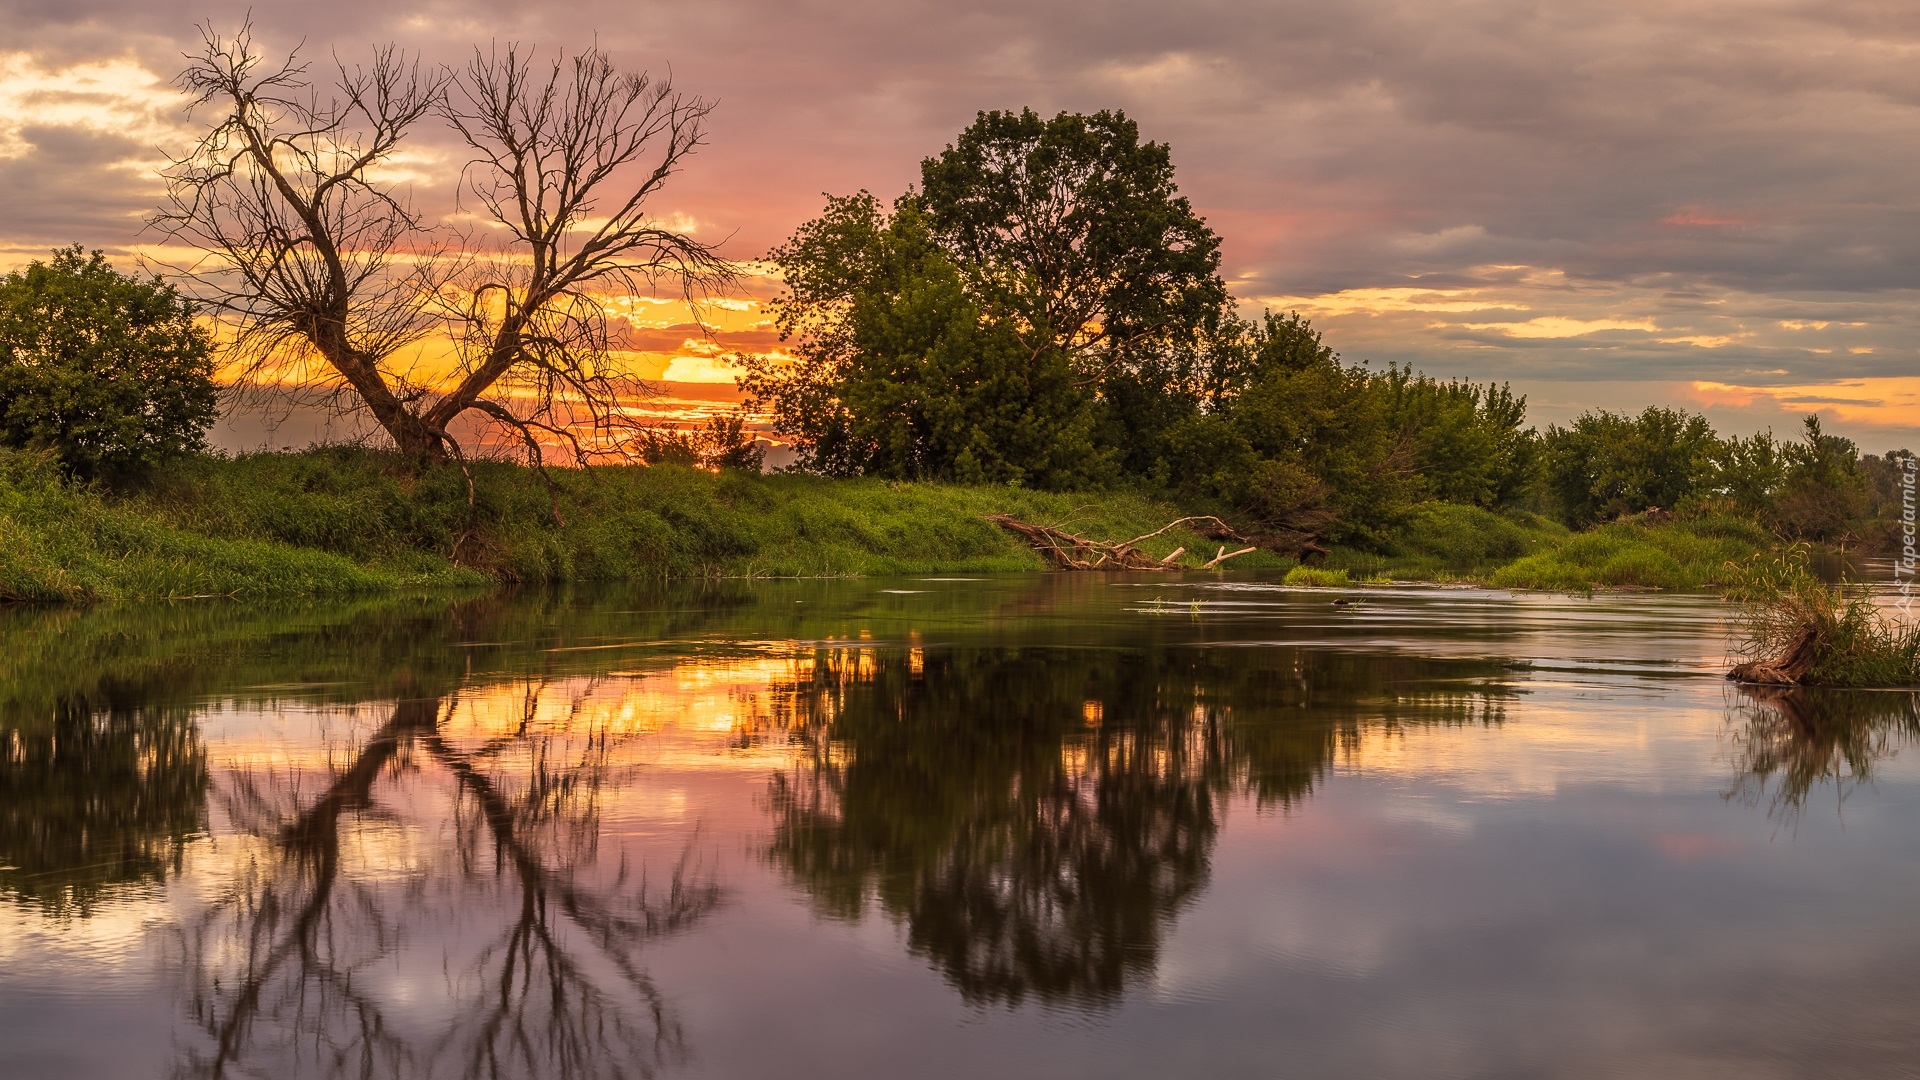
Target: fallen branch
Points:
x,y
1065,551
1223,555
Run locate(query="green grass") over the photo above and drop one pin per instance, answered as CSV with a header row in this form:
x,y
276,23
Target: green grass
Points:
x,y
1444,541
339,521
1692,554
1313,577
347,521
58,543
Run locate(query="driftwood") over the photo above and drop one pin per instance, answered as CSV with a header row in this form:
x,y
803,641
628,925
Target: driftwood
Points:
x,y
1786,669
1065,551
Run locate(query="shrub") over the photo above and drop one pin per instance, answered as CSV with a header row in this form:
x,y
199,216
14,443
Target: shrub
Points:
x,y
108,372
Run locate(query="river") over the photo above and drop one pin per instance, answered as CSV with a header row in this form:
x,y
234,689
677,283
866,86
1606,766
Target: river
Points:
x,y
1022,826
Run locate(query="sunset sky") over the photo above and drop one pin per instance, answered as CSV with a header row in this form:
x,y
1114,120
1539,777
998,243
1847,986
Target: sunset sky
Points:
x,y
1609,204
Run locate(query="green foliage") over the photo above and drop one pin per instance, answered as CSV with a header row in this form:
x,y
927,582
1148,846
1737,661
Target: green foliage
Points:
x,y
1076,228
1439,540
1688,554
1465,438
903,374
1823,490
720,443
1605,464
342,521
63,544
1305,445
1313,577
108,372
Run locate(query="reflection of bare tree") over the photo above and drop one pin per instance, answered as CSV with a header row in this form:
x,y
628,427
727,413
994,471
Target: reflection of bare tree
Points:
x,y
300,968
1789,741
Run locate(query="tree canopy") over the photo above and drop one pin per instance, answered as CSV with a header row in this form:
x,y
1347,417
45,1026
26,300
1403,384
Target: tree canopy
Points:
x,y
108,372
902,373
1076,228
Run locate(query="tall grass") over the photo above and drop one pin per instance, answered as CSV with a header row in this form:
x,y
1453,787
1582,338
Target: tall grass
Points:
x,y
1688,554
1856,642
62,543
345,520
1447,540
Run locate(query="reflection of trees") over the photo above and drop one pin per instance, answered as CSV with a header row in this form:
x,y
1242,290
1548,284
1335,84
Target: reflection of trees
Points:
x,y
537,948
96,794
1789,741
1036,817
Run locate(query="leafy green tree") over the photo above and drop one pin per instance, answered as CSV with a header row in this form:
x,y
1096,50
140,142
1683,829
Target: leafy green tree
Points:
x,y
107,371
1824,490
901,373
1076,227
1751,471
1607,464
1465,438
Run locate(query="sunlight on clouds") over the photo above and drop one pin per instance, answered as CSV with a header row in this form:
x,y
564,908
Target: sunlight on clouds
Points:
x,y
1560,326
113,97
1382,301
699,369
1892,402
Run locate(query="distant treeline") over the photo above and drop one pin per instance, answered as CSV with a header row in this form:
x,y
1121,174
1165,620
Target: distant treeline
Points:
x,y
1046,310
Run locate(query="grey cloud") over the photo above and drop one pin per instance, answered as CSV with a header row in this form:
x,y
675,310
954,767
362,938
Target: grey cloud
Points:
x,y
69,188
1316,137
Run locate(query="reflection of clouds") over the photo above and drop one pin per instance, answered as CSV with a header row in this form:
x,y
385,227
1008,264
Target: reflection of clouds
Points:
x,y
1554,744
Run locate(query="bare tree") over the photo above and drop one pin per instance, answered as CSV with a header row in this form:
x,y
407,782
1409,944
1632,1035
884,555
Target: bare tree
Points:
x,y
329,276
551,143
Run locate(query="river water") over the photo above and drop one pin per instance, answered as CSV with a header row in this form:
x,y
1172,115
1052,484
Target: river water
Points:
x,y
1034,826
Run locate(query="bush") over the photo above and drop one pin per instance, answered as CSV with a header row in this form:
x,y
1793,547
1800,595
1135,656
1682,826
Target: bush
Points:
x,y
1606,464
107,372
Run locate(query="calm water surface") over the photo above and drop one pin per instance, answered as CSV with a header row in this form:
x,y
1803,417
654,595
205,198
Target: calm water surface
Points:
x,y
1045,826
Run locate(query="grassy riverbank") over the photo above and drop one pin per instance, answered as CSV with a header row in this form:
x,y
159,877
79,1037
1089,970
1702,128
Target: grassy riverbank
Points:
x,y
343,521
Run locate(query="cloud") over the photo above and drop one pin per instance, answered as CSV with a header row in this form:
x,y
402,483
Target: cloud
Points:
x,y
1427,179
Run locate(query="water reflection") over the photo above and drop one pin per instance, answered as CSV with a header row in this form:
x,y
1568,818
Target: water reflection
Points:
x,y
1037,817
432,837
97,795
1790,742
292,971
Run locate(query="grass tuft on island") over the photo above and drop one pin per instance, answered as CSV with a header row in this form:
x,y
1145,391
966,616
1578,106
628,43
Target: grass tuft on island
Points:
x,y
343,520
1797,630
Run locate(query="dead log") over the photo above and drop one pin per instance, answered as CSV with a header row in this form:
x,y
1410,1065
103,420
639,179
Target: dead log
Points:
x,y
1223,555
1786,669
1065,551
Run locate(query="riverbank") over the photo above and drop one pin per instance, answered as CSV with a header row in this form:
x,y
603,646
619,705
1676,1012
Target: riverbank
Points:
x,y
346,521
343,521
